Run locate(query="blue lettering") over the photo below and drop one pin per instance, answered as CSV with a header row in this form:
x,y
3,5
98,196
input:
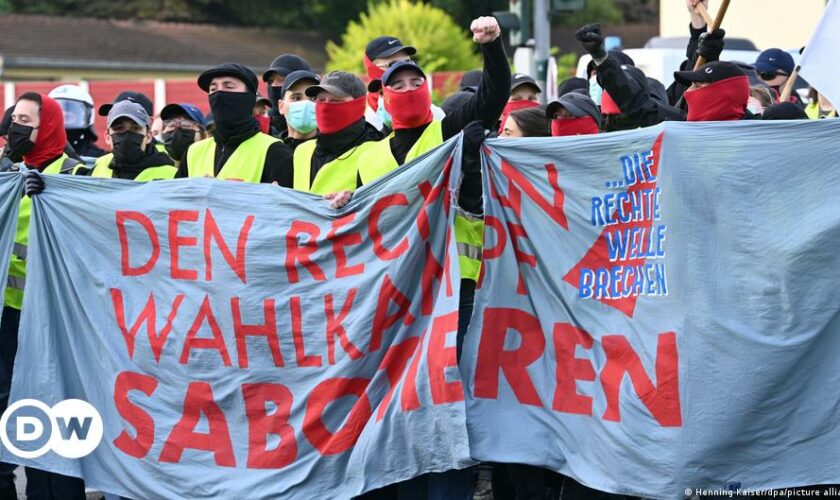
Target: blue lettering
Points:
x,y
70,426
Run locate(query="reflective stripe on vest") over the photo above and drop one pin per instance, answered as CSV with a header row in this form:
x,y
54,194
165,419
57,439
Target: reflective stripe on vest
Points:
x,y
338,175
161,172
469,239
245,164
379,160
13,296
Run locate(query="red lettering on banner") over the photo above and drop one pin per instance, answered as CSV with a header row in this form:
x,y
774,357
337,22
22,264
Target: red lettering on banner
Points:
x,y
122,216
493,358
302,358
409,400
148,316
205,313
430,195
496,251
433,271
336,328
302,252
442,357
176,242
569,369
211,232
261,424
143,423
518,231
325,393
379,206
340,242
267,330
553,209
382,320
198,401
663,400
394,363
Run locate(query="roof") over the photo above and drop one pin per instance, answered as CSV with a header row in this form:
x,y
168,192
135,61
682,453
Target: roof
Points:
x,y
61,42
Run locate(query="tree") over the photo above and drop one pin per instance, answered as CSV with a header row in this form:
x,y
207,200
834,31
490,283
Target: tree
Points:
x,y
595,11
441,44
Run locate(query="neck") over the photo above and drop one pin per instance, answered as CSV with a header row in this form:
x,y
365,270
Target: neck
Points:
x,y
294,134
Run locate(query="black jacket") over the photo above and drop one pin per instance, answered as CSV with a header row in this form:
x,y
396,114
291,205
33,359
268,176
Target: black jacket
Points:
x,y
278,160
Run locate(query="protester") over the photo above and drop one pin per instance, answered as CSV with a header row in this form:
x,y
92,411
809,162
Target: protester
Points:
x,y
298,109
470,80
573,114
784,111
719,91
573,84
524,94
275,76
760,99
238,149
380,53
183,124
775,66
329,165
139,98
530,122
7,158
77,105
819,106
37,135
135,158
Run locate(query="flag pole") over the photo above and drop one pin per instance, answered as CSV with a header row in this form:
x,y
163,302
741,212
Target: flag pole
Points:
x,y
721,13
787,91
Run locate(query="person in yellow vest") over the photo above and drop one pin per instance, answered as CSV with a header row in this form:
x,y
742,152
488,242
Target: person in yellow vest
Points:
x,y
128,95
238,150
819,107
329,165
183,124
297,108
37,134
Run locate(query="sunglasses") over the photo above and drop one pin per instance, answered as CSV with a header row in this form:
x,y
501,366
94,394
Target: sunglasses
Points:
x,y
770,76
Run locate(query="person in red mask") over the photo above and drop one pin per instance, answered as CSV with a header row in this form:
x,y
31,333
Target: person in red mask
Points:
x,y
524,94
718,91
530,122
37,134
573,114
329,164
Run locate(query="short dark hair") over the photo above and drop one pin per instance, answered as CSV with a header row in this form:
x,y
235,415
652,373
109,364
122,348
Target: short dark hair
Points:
x,y
32,96
532,122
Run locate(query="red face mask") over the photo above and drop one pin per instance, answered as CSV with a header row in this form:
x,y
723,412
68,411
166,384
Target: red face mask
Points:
x,y
585,125
410,109
51,134
374,72
721,101
608,106
264,123
333,117
512,106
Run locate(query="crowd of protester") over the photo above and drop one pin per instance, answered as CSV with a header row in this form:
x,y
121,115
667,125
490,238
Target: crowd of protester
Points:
x,y
331,134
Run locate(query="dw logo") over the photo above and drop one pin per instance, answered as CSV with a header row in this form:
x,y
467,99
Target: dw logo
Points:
x,y
72,428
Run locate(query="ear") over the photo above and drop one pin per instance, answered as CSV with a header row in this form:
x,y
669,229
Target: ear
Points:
x,y
281,107
108,139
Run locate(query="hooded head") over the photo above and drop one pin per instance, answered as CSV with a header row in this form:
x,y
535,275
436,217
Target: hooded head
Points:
x,y
37,130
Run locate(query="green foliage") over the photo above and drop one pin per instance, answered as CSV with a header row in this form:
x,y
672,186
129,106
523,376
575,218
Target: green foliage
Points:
x,y
566,66
441,44
595,11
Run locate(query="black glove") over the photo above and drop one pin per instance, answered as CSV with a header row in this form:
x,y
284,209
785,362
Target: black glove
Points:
x,y
33,183
590,37
711,45
474,135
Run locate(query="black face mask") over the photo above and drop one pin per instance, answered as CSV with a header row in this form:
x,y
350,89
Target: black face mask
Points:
x,y
275,94
19,141
128,147
177,141
233,113
80,138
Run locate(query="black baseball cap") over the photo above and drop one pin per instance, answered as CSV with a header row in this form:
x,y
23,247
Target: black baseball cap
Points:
x,y
386,46
296,76
128,95
519,79
577,104
709,73
784,111
235,70
339,84
285,64
376,85
131,110
571,85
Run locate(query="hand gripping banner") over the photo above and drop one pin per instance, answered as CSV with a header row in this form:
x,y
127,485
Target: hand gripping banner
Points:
x,y
246,340
658,310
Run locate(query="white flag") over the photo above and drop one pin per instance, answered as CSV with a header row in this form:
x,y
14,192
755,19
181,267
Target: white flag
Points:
x,y
821,60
